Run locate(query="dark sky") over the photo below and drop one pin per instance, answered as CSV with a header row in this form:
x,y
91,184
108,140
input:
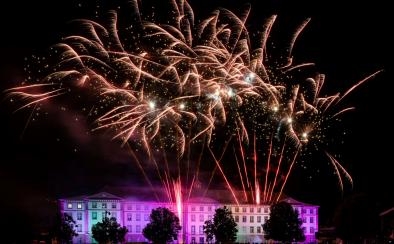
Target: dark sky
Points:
x,y
53,156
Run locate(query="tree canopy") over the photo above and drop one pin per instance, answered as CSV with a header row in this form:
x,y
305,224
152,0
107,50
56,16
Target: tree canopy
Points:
x,y
163,226
108,231
63,228
222,227
283,224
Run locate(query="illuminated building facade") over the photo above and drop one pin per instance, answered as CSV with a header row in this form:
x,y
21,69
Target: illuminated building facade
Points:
x,y
133,213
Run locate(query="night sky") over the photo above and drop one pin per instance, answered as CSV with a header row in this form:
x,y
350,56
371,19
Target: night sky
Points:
x,y
54,157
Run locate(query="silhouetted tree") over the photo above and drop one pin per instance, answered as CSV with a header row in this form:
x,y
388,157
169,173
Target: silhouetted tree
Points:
x,y
63,228
222,227
283,224
108,231
163,226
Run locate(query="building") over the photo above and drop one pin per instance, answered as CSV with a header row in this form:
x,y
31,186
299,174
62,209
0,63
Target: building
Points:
x,y
133,212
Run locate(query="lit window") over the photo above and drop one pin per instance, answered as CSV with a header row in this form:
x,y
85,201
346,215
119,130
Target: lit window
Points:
x,y
200,229
193,217
201,208
129,228
259,210
138,228
94,215
244,210
146,217
79,216
201,217
79,205
138,217
236,218
237,209
94,204
258,229
258,219
251,229
311,220
193,229
251,210
251,219
244,219
129,217
113,205
69,205
104,205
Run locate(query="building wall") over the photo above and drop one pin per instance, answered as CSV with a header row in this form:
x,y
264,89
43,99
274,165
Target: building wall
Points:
x,y
135,216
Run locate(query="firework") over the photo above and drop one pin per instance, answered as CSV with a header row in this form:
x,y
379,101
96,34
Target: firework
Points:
x,y
172,85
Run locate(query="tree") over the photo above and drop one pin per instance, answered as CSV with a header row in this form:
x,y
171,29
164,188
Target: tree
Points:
x,y
63,228
222,227
284,224
163,226
108,231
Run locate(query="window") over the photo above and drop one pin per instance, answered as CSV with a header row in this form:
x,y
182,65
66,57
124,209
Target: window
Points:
x,y
138,217
311,220
312,230
146,217
193,240
201,240
236,209
129,217
138,229
113,205
251,210
265,218
69,205
251,219
193,208
94,204
193,217
79,205
201,217
265,210
146,207
129,228
244,219
129,207
236,218
200,230
251,229
79,216
259,210
193,229
79,228
303,220
244,210
258,219
312,211
104,214
104,205
138,207
94,215
303,211
209,208
201,208
258,229
244,229
113,214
